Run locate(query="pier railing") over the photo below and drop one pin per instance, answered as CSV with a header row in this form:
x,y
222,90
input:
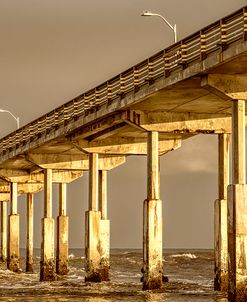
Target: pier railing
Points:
x,y
213,38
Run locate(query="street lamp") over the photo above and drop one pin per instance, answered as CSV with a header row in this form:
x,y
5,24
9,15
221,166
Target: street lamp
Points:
x,y
173,28
16,118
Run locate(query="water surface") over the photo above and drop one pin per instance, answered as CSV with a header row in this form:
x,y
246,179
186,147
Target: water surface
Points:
x,y
190,275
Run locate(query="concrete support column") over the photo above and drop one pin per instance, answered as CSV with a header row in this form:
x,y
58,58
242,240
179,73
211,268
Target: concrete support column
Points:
x,y
237,209
93,217
29,251
3,231
220,215
13,253
62,233
152,219
47,263
104,227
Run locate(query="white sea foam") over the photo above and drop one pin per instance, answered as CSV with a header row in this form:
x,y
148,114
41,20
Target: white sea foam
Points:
x,y
185,255
133,261
71,256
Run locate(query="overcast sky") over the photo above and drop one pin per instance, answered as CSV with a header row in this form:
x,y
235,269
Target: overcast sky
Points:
x,y
53,50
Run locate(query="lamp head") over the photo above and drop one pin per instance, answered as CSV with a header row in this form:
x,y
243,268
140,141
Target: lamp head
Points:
x,y
147,14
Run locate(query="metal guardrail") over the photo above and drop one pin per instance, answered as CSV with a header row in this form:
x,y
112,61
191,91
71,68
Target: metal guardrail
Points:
x,y
215,37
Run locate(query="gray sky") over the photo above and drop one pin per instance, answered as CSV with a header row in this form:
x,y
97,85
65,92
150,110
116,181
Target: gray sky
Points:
x,y
54,50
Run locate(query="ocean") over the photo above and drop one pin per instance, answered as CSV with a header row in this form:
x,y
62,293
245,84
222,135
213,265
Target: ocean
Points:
x,y
190,274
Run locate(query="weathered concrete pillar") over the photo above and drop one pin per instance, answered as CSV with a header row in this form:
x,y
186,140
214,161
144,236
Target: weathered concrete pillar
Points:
x,y
104,227
62,233
29,251
13,253
220,216
152,219
3,231
93,217
47,263
237,209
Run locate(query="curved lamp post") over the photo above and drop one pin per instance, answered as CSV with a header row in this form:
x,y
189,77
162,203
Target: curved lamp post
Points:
x,y
173,28
16,118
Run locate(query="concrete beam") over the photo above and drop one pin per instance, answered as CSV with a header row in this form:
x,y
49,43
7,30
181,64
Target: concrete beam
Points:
x,y
125,146
14,175
185,122
5,197
231,85
23,176
73,162
22,189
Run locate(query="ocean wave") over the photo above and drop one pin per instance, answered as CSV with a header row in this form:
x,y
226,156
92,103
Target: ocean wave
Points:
x,y
131,260
185,255
71,256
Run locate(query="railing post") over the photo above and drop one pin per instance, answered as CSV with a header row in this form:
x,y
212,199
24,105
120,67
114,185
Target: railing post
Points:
x,y
223,36
245,24
167,64
136,79
203,45
184,54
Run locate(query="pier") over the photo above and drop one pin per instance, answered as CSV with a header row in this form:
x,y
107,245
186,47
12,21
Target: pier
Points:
x,y
196,86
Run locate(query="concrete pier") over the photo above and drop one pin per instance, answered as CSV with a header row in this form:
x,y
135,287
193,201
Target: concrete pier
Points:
x,y
62,233
220,216
237,209
3,231
47,263
152,219
104,227
29,251
13,253
93,217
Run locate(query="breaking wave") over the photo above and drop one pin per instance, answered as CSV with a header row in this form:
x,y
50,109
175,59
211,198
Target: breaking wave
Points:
x,y
185,255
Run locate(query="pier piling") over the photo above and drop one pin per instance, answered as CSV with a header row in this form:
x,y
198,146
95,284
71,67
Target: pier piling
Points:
x,y
220,216
152,219
62,233
29,251
47,263
13,257
3,231
237,209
